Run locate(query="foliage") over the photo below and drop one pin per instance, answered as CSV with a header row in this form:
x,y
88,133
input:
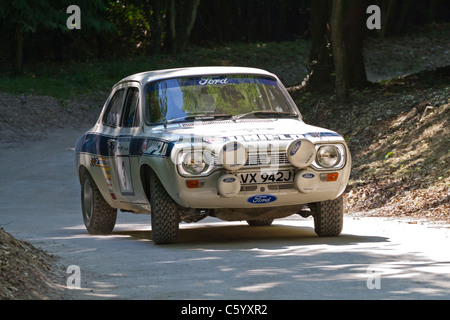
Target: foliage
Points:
x,y
32,15
36,30
62,80
27,14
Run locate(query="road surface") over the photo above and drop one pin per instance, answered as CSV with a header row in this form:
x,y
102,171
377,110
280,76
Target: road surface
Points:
x,y
374,258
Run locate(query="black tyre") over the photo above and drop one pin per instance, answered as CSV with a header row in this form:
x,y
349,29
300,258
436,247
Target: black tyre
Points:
x,y
98,216
165,213
260,222
329,217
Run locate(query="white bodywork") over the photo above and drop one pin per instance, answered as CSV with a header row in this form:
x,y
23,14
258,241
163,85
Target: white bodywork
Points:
x,y
274,177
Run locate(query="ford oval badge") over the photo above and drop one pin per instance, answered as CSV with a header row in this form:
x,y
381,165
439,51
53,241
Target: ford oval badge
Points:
x,y
262,198
295,148
229,180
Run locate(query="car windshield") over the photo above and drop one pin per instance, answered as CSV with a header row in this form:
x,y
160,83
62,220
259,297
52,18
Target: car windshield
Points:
x,y
214,97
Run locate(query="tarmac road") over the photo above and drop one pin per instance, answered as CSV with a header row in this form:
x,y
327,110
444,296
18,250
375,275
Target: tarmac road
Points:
x,y
374,258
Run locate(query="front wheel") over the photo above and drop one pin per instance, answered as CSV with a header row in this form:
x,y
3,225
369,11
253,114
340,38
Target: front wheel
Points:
x,y
165,213
328,217
98,216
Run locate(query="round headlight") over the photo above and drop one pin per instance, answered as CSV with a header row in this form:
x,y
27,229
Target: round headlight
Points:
x,y
328,156
194,163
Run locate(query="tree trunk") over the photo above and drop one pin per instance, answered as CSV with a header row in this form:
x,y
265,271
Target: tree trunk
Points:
x,y
191,15
172,27
154,17
58,46
185,22
431,14
320,56
339,56
400,21
350,34
18,54
388,6
354,32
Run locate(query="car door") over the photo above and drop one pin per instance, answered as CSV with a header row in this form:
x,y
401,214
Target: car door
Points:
x,y
127,130
106,140
120,147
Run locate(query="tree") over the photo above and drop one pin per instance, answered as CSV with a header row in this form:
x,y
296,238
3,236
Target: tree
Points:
x,y
340,58
337,34
149,26
183,14
95,26
23,17
321,63
354,32
155,18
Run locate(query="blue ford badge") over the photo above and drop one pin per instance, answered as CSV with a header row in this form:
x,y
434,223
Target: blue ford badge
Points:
x,y
262,198
229,180
308,175
295,148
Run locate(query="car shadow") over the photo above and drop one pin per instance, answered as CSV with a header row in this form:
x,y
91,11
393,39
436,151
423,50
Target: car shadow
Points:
x,y
225,234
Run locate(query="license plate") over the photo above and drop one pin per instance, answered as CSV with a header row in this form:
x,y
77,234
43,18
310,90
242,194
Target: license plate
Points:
x,y
282,176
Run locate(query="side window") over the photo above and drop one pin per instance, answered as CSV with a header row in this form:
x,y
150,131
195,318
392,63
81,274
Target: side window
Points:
x,y
112,114
130,111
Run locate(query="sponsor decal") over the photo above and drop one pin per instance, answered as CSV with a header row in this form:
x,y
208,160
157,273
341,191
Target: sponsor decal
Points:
x,y
210,80
104,164
279,137
321,134
231,147
309,158
262,198
265,137
229,180
214,139
308,175
99,162
295,148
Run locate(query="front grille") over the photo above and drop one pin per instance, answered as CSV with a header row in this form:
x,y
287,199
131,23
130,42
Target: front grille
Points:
x,y
265,159
255,159
281,186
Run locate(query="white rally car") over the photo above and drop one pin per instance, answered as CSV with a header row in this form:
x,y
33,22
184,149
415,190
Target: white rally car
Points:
x,y
227,142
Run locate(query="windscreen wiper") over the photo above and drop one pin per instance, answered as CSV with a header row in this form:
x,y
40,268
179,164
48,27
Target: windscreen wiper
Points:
x,y
265,113
200,116
208,116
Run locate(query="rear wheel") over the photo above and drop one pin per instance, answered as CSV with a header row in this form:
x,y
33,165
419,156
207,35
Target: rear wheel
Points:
x,y
165,213
328,217
98,216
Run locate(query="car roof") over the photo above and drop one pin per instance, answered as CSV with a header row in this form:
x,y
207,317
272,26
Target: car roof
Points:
x,y
149,76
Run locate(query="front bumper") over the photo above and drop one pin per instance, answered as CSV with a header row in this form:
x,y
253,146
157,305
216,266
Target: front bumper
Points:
x,y
204,194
